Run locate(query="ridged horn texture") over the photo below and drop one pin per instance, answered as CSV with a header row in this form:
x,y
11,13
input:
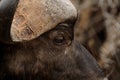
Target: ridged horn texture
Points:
x,y
34,17
7,10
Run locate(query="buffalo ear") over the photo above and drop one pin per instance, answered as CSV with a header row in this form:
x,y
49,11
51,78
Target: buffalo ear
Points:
x,y
7,10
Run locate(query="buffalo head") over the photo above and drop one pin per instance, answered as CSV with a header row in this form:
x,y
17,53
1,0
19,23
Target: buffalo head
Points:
x,y
37,42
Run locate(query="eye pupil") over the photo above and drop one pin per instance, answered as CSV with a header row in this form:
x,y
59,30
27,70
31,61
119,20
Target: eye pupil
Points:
x,y
59,40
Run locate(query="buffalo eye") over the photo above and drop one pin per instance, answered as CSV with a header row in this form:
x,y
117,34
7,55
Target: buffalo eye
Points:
x,y
59,40
61,35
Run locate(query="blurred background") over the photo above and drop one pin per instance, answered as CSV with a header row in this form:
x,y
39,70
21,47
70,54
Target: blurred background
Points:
x,y
98,29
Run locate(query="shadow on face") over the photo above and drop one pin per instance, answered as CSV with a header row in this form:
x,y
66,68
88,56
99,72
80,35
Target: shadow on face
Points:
x,y
55,55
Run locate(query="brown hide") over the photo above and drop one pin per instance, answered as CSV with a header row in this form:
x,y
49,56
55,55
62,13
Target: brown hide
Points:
x,y
53,55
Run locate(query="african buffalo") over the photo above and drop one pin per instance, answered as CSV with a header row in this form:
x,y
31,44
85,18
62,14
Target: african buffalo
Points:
x,y
37,42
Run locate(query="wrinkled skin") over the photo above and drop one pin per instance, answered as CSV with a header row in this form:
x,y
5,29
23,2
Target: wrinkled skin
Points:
x,y
54,55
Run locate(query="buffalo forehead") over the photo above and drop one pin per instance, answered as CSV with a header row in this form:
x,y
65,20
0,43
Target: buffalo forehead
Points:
x,y
34,17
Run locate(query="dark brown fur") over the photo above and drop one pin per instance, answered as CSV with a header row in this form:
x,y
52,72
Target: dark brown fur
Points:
x,y
54,55
45,58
